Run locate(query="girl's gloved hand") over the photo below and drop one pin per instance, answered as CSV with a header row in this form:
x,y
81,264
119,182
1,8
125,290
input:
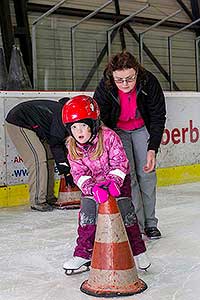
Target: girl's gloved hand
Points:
x,y
113,188
69,180
100,193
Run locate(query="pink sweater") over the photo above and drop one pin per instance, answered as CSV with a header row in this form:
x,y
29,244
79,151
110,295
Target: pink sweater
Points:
x,y
130,117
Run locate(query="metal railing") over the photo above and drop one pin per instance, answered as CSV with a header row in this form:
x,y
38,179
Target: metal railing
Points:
x,y
72,30
34,48
109,30
170,50
141,34
197,63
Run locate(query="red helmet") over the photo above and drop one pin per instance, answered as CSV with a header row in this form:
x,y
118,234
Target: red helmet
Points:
x,y
79,108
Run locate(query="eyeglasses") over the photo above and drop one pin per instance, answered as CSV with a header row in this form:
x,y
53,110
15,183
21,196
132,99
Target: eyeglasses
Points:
x,y
126,80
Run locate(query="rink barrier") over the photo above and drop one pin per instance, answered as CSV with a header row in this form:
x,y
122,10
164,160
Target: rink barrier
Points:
x,y
177,160
178,175
19,195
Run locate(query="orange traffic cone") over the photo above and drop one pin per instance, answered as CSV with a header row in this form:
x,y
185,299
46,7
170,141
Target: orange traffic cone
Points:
x,y
68,197
113,271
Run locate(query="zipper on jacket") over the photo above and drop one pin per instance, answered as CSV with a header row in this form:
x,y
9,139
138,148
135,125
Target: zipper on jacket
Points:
x,y
144,92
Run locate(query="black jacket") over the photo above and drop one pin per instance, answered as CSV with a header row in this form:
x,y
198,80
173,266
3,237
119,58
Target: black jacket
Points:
x,y
44,118
150,103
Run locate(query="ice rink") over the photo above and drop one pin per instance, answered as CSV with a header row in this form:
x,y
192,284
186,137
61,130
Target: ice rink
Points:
x,y
34,246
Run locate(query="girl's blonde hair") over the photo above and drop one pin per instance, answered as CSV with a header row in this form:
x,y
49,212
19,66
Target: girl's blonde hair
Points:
x,y
76,153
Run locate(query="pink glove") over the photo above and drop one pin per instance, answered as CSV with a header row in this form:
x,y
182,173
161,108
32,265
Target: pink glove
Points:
x,y
114,189
111,186
100,194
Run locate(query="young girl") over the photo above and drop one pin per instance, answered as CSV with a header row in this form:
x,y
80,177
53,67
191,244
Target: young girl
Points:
x,y
100,168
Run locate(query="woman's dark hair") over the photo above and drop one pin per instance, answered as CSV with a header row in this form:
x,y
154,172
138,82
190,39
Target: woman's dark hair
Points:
x,y
120,61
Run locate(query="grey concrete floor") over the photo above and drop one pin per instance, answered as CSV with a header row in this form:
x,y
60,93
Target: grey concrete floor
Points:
x,y
35,245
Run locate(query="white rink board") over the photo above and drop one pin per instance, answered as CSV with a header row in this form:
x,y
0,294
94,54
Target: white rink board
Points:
x,y
2,146
181,137
181,140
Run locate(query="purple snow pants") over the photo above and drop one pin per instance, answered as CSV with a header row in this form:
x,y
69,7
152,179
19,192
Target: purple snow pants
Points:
x,y
87,225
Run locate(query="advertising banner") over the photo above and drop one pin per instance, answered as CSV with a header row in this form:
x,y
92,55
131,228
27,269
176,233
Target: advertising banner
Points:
x,y
179,147
181,139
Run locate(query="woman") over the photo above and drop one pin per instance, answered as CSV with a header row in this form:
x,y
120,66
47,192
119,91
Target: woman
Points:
x,y
132,103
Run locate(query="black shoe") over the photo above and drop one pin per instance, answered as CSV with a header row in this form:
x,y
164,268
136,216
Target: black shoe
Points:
x,y
42,207
152,233
52,201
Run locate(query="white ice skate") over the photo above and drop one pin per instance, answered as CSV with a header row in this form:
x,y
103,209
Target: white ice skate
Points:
x,y
75,264
142,262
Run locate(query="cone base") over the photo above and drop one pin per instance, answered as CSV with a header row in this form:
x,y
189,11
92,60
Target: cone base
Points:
x,y
68,204
135,288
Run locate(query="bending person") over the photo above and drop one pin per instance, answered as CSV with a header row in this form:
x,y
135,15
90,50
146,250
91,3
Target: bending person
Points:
x,y
132,103
36,129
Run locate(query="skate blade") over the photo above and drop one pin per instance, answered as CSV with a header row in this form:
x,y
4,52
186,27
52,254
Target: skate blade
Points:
x,y
80,270
68,207
145,269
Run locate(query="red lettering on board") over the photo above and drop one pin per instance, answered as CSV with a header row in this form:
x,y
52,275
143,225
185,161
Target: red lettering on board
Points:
x,y
181,135
18,159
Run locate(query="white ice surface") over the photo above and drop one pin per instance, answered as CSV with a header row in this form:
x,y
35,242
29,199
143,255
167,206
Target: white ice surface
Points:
x,y
34,246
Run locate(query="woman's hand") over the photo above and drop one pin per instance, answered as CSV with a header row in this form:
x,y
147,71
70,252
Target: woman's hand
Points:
x,y
151,161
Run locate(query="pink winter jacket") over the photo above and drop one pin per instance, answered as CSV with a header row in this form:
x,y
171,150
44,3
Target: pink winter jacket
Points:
x,y
113,164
